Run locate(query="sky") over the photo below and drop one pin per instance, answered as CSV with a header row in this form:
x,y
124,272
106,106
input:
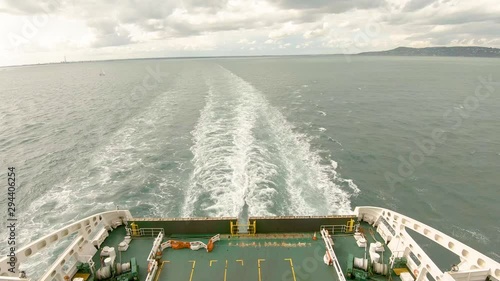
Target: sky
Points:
x,y
43,31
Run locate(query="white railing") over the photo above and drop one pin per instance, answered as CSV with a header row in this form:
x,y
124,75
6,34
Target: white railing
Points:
x,y
333,229
152,263
402,243
152,268
146,232
156,246
329,247
80,245
151,232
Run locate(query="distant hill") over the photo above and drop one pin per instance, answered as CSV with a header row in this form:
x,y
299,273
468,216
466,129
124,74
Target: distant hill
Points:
x,y
439,51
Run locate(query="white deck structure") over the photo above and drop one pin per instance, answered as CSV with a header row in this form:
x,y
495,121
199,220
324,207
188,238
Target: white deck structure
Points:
x,y
90,232
392,226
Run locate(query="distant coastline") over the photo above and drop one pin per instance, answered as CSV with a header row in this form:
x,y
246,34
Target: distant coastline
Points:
x,y
399,51
439,52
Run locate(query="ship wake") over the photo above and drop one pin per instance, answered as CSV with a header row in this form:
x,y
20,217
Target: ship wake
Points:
x,y
248,160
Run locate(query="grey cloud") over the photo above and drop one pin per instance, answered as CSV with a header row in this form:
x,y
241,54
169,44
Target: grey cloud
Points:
x,y
170,25
179,28
438,17
329,6
109,33
137,10
114,39
469,16
110,20
156,16
30,7
211,6
415,5
142,11
474,32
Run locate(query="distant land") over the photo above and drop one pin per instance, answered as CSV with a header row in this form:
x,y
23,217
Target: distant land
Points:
x,y
439,51
457,51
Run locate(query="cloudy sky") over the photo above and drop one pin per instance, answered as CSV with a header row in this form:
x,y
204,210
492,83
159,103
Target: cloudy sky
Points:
x,y
38,31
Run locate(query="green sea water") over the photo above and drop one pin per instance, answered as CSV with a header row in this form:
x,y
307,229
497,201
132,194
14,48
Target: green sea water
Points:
x,y
311,135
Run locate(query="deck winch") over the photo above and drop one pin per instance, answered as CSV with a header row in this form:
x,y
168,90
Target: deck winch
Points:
x,y
112,269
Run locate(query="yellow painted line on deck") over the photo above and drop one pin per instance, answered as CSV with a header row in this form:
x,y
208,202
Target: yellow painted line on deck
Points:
x,y
160,269
258,265
192,270
225,272
293,271
211,261
240,261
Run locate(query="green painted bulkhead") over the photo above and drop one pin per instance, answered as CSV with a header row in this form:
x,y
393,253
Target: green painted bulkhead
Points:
x,y
187,225
288,224
292,224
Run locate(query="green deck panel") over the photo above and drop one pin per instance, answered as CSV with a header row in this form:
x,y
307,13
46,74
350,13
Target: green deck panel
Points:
x,y
138,248
305,253
346,244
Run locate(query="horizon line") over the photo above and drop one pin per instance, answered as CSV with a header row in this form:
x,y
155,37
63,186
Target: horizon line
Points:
x,y
234,56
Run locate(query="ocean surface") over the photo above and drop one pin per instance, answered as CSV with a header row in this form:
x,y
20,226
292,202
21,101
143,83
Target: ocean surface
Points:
x,y
312,135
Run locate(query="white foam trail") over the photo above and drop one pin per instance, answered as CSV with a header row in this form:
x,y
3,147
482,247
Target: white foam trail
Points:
x,y
309,184
351,185
334,164
228,162
212,152
241,145
108,178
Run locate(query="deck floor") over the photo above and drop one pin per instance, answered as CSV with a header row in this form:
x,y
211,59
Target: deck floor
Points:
x,y
253,258
286,257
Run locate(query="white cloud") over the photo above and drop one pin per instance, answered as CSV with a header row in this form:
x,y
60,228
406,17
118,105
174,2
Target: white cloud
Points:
x,y
41,31
245,41
319,31
289,28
